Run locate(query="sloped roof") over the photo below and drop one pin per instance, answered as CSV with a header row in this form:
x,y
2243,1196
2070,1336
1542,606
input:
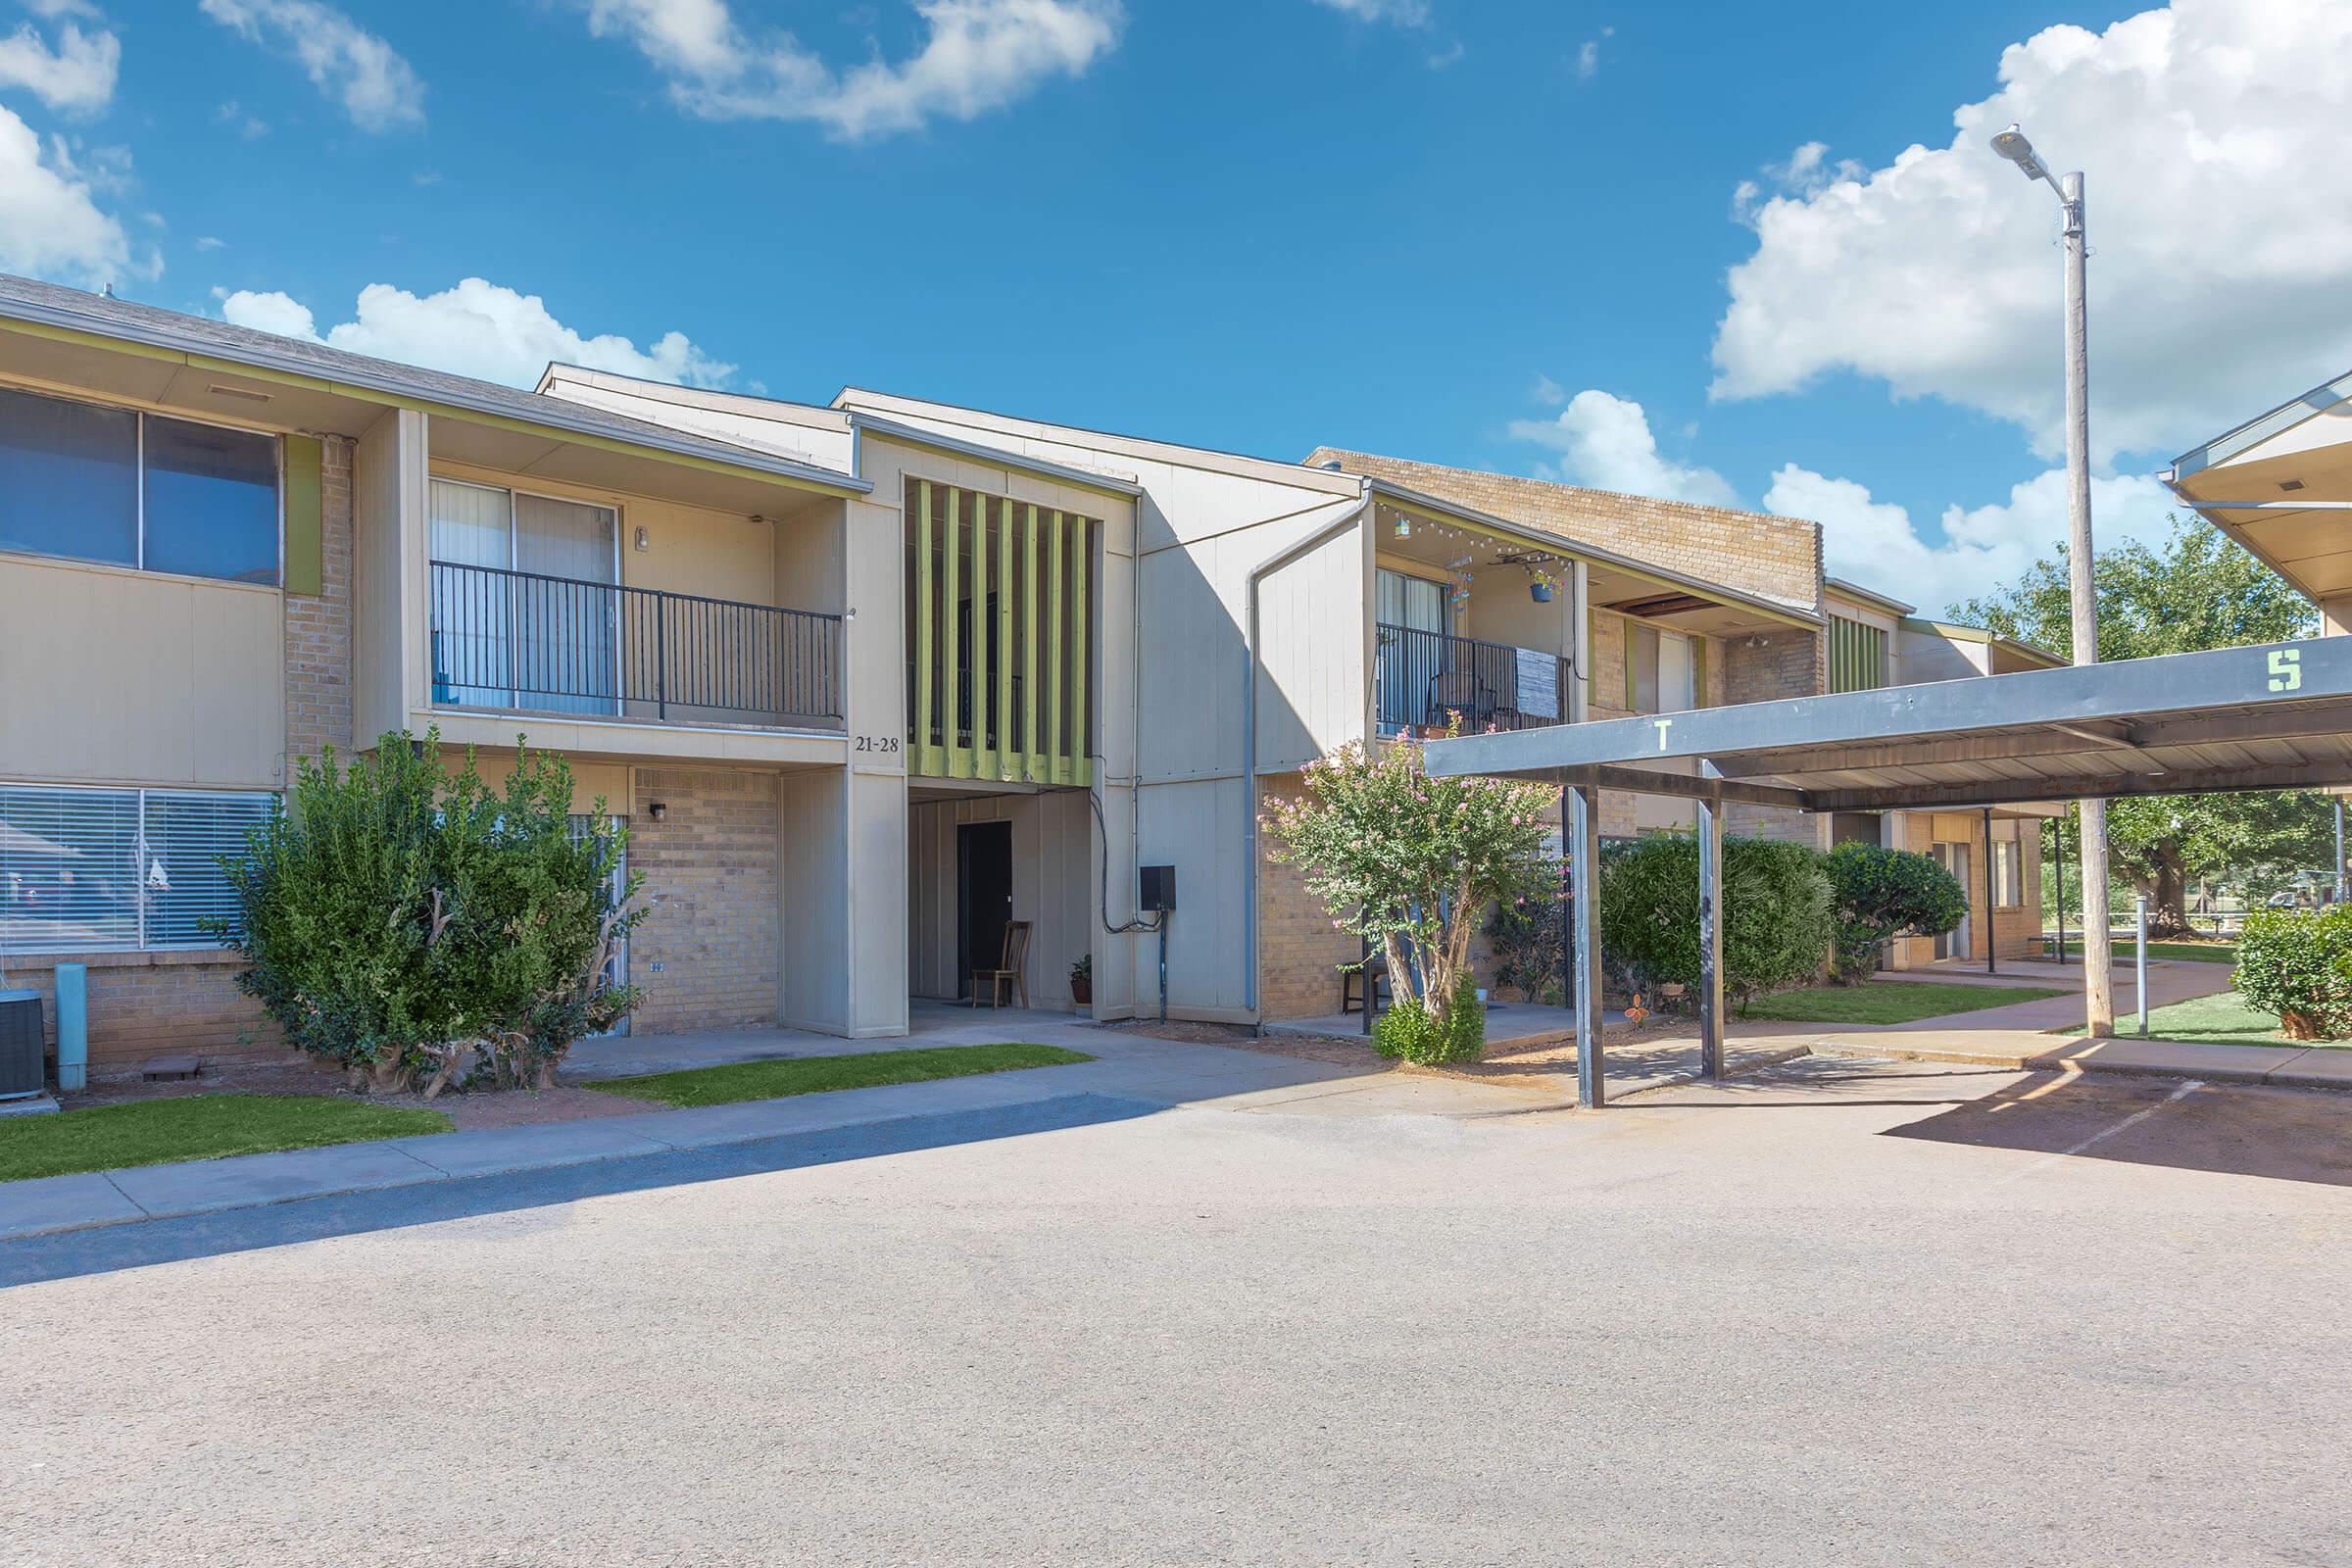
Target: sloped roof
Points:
x,y
28,300
1608,520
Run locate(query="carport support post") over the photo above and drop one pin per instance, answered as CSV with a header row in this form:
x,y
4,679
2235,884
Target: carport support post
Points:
x,y
1584,872
1992,915
1710,937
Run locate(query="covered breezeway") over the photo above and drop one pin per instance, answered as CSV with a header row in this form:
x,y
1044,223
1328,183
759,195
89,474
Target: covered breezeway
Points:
x,y
2271,718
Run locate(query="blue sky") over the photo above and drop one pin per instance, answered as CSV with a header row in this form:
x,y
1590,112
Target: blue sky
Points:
x,y
1580,240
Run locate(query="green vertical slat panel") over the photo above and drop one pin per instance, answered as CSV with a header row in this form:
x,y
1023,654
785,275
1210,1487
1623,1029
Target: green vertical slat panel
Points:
x,y
1006,767
926,755
984,744
1081,649
305,542
960,756
1057,755
1034,768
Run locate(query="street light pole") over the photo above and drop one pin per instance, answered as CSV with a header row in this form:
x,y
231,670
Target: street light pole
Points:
x,y
2098,953
2098,948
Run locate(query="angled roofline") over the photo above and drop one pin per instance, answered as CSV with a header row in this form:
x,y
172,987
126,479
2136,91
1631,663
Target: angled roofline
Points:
x,y
1178,453
339,372
2285,417
1960,633
1868,596
848,421
1576,549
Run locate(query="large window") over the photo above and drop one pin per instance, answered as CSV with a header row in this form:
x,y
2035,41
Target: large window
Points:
x,y
91,869
2008,886
133,489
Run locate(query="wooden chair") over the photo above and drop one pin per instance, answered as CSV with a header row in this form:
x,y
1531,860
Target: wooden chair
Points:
x,y
1012,969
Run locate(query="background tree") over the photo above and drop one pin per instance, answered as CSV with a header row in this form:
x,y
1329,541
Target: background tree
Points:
x,y
2196,590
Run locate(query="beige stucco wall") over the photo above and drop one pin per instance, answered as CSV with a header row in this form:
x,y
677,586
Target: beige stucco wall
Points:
x,y
113,675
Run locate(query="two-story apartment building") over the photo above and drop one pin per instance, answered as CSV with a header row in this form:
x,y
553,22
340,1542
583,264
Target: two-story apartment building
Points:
x,y
866,681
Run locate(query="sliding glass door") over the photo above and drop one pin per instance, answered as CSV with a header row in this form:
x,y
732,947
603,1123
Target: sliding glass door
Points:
x,y
525,601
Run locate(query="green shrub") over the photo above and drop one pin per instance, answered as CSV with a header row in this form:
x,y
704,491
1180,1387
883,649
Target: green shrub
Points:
x,y
1881,893
401,922
2297,963
1525,930
1776,921
1408,1032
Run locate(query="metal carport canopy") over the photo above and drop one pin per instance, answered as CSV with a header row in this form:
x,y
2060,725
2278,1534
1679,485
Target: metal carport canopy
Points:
x,y
2267,717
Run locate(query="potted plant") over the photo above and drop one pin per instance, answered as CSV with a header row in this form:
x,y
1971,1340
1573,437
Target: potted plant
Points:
x,y
1082,981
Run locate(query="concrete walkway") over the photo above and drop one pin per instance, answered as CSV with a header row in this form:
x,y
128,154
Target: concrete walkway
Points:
x,y
1139,1073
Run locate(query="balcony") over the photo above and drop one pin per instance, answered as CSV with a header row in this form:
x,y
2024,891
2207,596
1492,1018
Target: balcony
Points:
x,y
1419,678
525,642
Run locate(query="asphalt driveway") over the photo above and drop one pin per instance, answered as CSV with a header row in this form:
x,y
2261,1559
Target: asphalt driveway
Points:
x,y
1837,1312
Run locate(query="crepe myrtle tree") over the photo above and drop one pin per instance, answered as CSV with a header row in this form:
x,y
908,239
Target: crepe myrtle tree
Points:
x,y
1411,863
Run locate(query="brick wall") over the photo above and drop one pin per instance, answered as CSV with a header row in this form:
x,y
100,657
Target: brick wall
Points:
x,y
711,871
318,628
1752,550
1787,664
147,1004
1298,951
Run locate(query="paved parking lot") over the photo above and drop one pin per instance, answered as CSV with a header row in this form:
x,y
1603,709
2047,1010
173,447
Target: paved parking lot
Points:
x,y
1837,1312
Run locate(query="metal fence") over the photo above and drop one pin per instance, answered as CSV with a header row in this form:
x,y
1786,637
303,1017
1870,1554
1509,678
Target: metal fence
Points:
x,y
521,639
1420,677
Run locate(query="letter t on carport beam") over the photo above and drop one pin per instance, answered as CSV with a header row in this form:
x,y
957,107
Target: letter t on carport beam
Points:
x,y
1710,930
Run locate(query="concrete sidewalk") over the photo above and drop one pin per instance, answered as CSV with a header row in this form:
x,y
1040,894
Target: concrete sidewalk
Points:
x,y
1156,1073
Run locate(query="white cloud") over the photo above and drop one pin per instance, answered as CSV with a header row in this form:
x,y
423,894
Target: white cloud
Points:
x,y
76,77
1548,392
977,56
2220,220
210,242
1403,13
377,88
1605,442
1875,544
1587,55
478,329
50,225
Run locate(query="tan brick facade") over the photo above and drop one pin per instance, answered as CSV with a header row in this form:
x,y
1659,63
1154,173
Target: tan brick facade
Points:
x,y
148,1005
1299,950
712,873
318,628
1756,552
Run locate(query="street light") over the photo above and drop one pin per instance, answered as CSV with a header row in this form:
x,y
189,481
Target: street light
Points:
x,y
2098,955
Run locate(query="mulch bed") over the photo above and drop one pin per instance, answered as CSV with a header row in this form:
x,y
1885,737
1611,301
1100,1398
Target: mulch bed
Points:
x,y
297,1075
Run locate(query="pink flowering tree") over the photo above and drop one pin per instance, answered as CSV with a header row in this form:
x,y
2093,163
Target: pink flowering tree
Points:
x,y
1411,863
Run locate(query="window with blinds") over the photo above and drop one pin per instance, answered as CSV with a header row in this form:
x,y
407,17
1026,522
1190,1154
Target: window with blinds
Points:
x,y
93,869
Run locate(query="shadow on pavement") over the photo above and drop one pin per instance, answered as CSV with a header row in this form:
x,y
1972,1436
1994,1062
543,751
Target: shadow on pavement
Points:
x,y
2232,1129
71,1254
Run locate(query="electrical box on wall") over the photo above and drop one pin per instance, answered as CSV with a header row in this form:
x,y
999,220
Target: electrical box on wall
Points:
x,y
1159,890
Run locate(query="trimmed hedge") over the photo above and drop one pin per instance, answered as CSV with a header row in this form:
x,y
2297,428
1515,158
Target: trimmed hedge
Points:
x,y
2297,963
1881,894
1777,913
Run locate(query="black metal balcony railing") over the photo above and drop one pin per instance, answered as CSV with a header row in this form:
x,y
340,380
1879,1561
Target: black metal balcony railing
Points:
x,y
1419,678
524,639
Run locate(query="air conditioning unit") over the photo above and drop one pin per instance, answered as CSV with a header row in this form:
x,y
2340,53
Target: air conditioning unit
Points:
x,y
22,1070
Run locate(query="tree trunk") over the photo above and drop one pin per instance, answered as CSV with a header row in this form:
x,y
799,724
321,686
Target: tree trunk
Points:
x,y
2168,904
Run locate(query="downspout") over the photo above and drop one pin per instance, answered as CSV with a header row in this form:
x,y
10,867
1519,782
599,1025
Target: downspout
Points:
x,y
1272,563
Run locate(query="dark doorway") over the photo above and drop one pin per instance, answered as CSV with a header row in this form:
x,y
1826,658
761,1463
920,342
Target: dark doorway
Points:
x,y
983,897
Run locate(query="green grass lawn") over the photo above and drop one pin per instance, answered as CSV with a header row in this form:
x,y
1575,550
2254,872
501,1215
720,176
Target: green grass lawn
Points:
x,y
154,1131
815,1075
2187,951
1893,1002
2224,1018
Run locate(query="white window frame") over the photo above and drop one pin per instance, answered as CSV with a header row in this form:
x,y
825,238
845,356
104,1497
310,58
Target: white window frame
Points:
x,y
2008,874
139,553
140,842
